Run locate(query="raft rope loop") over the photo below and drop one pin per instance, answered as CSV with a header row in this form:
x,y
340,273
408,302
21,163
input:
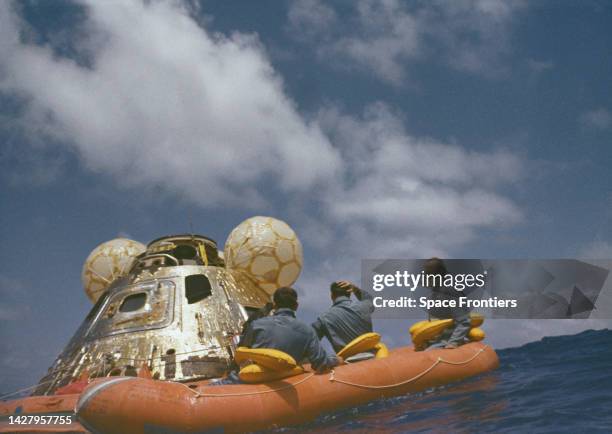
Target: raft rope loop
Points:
x,y
410,380
25,389
332,377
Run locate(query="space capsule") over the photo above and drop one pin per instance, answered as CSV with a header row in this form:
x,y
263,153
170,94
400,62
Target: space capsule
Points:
x,y
174,306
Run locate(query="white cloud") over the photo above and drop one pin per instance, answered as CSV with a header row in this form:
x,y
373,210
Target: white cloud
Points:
x,y
539,66
598,119
10,313
597,250
402,197
14,303
387,36
307,18
475,34
391,35
407,194
167,103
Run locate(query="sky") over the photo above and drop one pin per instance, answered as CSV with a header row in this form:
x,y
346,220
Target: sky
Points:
x,y
375,128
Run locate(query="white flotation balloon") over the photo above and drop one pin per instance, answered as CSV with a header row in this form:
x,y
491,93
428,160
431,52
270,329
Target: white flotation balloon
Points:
x,y
267,249
107,262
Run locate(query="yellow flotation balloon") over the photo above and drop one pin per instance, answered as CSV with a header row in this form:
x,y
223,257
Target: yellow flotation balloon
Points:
x,y
267,249
107,262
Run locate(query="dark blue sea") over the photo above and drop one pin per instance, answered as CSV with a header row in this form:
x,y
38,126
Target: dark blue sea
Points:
x,y
559,384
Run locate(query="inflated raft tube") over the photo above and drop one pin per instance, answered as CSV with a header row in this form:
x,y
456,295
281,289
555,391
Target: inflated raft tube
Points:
x,y
128,404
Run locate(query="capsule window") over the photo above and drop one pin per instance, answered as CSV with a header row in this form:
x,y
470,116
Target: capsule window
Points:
x,y
133,302
185,251
197,288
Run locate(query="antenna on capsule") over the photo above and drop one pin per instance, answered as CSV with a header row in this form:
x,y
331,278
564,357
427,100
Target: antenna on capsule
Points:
x,y
191,225
190,217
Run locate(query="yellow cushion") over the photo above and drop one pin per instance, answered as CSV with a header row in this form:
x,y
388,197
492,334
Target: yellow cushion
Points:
x,y
417,325
424,331
274,360
476,334
381,351
476,319
422,326
259,374
365,342
428,331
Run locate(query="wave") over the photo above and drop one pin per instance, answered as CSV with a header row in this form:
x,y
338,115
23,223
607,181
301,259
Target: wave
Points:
x,y
557,384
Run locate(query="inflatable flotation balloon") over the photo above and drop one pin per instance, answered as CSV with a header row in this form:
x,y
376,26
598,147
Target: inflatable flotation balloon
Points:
x,y
267,249
107,262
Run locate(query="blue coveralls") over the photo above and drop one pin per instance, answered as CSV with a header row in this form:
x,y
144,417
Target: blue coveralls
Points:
x,y
284,332
346,320
455,335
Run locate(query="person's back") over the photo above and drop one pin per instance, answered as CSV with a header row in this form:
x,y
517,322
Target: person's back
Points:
x,y
284,332
346,319
455,335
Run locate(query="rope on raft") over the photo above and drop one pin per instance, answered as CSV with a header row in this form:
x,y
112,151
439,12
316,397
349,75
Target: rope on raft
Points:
x,y
259,392
332,377
25,389
416,377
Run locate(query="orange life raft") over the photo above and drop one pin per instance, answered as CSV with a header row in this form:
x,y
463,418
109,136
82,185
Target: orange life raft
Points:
x,y
136,405
127,404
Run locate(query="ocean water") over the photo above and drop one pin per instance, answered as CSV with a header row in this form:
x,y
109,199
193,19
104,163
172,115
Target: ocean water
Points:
x,y
559,384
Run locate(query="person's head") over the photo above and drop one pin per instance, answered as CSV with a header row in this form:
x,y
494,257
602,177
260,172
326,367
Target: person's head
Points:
x,y
435,270
285,297
338,291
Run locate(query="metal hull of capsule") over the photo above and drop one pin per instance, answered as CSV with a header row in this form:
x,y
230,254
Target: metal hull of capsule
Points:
x,y
174,339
